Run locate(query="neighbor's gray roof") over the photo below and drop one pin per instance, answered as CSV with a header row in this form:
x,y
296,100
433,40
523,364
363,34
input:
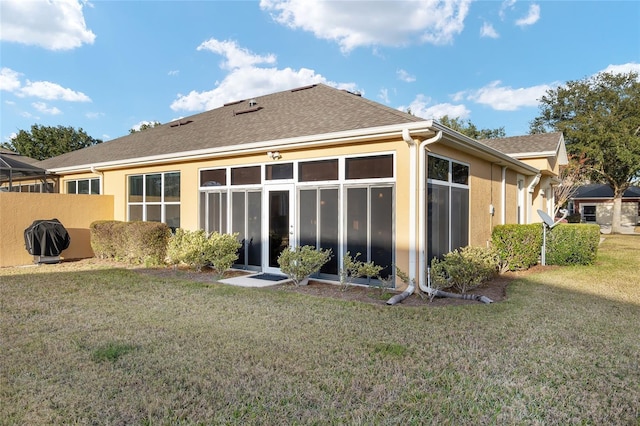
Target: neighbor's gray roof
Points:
x,y
16,156
597,190
542,143
306,111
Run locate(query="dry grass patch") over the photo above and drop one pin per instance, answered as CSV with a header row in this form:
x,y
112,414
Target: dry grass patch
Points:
x,y
84,343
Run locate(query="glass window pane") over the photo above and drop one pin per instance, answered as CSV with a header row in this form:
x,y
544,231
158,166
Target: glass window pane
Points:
x,y
329,228
459,217
308,218
380,166
382,229
356,226
254,228
135,213
154,213
153,188
279,171
172,216
312,171
172,187
135,189
437,168
437,221
83,186
71,187
238,223
216,177
202,211
245,175
95,186
459,173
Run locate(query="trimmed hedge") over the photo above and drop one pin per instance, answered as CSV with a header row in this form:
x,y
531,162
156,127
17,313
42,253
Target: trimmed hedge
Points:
x,y
572,244
132,242
517,246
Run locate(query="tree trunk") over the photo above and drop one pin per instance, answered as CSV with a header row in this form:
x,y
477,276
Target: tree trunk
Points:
x,y
616,219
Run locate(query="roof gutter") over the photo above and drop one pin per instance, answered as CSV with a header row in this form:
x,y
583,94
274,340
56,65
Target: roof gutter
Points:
x,y
372,133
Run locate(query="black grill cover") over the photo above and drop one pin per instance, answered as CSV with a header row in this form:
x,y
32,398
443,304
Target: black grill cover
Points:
x,y
46,238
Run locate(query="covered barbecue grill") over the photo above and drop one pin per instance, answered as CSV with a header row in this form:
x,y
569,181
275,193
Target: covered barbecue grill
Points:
x,y
45,240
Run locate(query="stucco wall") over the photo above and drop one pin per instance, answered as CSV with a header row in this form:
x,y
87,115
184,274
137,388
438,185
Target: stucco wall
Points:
x,y
75,212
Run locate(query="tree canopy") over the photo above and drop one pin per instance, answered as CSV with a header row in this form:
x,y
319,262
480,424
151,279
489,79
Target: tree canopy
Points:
x,y
145,126
467,128
600,119
44,142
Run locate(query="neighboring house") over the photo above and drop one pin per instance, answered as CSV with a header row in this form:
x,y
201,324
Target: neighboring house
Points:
x,y
320,166
18,174
594,202
547,152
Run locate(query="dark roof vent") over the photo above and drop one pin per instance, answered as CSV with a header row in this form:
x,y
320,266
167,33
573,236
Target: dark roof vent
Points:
x,y
180,123
352,93
245,111
304,88
233,103
253,103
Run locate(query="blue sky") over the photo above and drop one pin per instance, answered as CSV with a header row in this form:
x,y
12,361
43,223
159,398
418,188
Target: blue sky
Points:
x,y
109,66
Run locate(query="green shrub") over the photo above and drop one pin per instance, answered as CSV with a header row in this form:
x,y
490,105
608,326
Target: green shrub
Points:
x,y
197,249
224,251
132,242
302,261
517,246
353,268
572,244
464,269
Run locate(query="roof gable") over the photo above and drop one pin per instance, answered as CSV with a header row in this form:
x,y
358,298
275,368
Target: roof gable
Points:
x,y
531,146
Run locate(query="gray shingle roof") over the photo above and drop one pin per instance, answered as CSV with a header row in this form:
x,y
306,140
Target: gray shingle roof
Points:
x,y
311,110
596,190
538,143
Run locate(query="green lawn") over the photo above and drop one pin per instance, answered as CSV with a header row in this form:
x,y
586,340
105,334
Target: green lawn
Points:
x,y
112,346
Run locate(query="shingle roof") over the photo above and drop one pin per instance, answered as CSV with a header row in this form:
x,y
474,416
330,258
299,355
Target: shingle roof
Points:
x,y
538,143
310,110
596,190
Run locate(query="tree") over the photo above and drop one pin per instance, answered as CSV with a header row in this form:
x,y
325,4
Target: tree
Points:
x,y
572,176
467,128
600,119
44,142
145,126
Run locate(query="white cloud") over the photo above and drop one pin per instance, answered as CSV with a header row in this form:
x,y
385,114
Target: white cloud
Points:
x,y
623,68
355,24
505,98
44,108
405,76
532,17
51,91
246,80
53,25
487,30
173,72
236,57
9,80
507,4
384,95
94,115
420,108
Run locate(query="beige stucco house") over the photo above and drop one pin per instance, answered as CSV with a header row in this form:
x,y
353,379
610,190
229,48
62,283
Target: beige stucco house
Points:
x,y
321,166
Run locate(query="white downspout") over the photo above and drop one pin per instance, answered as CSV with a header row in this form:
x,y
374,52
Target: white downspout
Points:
x,y
406,136
421,203
503,195
98,172
530,188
